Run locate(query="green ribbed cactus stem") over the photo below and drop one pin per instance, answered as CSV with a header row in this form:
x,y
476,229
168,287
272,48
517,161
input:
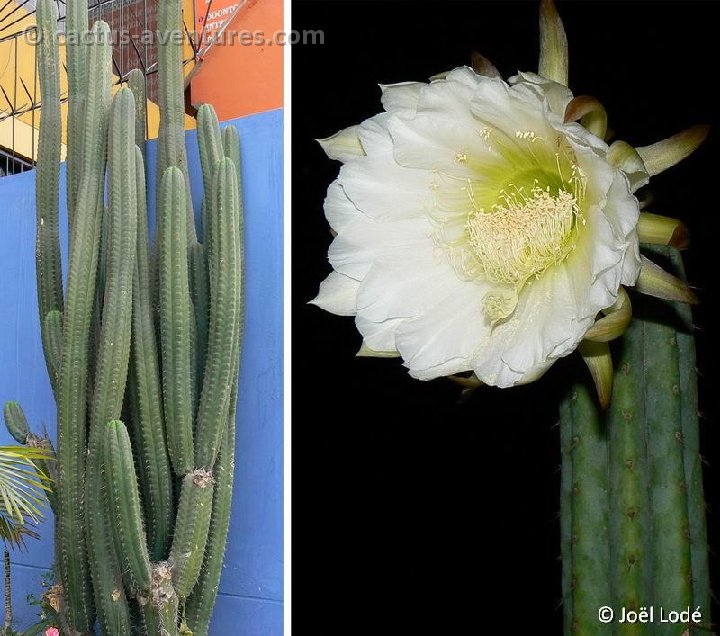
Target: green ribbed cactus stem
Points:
x,y
76,27
200,604
136,83
114,349
53,343
211,151
111,602
48,268
209,143
672,576
148,420
16,422
77,331
171,99
160,607
133,422
124,503
630,518
176,321
692,460
113,358
645,472
231,146
589,563
150,616
225,303
200,298
191,530
198,609
178,390
566,519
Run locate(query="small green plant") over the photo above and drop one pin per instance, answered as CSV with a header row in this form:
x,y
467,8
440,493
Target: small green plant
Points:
x,y
46,604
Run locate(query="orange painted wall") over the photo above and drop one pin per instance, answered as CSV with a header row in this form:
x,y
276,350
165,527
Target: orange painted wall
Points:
x,y
240,79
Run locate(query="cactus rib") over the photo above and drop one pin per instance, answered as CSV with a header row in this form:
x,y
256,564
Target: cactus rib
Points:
x,y
697,528
113,357
200,298
47,193
176,322
630,546
671,564
198,608
161,607
76,337
171,99
124,503
149,422
52,328
224,307
136,83
76,27
211,151
191,530
653,480
589,514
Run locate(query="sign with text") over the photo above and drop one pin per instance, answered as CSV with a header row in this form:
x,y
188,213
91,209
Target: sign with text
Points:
x,y
212,18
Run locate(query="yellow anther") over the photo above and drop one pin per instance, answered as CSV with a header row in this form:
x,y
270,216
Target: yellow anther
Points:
x,y
522,235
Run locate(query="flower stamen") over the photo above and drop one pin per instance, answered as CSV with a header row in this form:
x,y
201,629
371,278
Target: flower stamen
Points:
x,y
523,234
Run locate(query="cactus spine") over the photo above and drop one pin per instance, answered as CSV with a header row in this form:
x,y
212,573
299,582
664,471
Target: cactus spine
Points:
x,y
632,507
128,554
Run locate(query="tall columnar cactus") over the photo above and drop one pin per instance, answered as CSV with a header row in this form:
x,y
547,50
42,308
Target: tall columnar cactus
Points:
x,y
633,511
146,399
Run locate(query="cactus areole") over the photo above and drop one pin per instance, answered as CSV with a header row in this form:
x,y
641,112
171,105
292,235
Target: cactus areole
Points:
x,y
142,343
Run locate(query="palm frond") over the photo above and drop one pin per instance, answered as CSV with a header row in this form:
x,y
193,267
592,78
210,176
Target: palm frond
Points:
x,y
22,492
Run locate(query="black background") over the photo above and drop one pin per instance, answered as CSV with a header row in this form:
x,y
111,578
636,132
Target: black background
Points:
x,y
412,509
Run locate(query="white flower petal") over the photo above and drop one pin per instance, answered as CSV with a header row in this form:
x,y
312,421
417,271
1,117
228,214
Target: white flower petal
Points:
x,y
337,295
445,338
622,208
404,284
543,328
354,250
379,336
464,75
339,210
401,98
344,145
631,263
435,143
557,95
381,188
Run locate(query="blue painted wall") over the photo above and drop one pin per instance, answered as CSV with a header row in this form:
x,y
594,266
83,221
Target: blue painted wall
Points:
x,y
251,591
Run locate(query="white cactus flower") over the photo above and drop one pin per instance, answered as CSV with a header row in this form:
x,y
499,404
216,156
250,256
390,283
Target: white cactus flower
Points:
x,y
481,227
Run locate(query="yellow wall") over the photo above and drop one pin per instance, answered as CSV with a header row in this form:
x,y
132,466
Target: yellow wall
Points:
x,y
17,65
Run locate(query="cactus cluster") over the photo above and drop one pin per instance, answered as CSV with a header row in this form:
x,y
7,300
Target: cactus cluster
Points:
x,y
632,506
142,343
